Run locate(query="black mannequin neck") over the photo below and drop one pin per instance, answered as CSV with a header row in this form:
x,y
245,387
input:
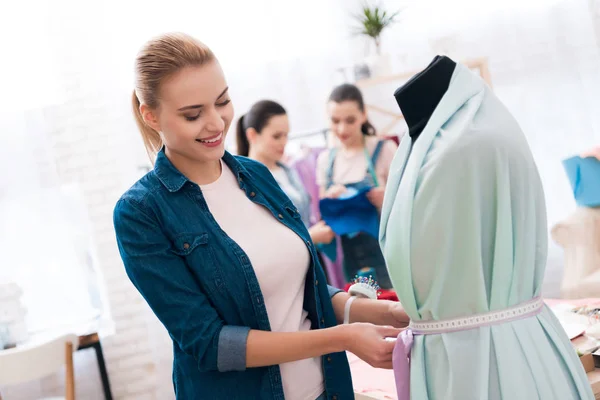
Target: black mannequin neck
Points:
x,y
420,96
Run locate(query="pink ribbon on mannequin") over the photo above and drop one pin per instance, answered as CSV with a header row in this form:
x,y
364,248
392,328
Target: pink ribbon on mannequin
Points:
x,y
401,363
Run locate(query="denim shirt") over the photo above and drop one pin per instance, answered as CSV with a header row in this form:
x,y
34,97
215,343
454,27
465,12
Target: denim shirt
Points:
x,y
202,287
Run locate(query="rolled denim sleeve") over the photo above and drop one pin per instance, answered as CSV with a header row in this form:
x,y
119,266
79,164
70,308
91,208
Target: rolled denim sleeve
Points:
x,y
333,291
232,348
172,292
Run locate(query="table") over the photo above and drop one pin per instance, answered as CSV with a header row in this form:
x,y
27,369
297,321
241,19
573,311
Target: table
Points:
x,y
380,383
89,333
92,340
594,378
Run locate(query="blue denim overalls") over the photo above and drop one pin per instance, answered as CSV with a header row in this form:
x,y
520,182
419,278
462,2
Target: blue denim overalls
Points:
x,y
362,250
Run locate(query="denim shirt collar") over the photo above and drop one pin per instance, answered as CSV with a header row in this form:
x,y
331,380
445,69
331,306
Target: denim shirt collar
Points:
x,y
174,180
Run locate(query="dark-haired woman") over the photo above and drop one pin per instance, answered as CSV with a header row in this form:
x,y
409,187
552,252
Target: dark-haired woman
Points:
x,y
361,160
262,134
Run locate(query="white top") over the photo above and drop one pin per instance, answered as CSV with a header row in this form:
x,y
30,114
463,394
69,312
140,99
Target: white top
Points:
x,y
280,260
350,167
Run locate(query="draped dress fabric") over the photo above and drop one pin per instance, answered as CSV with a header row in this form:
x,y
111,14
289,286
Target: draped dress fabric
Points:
x,y
463,232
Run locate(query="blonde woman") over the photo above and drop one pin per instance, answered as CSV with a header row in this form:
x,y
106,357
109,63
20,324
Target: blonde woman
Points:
x,y
222,256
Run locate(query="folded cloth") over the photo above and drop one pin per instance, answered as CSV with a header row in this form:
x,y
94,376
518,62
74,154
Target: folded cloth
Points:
x,y
351,213
584,176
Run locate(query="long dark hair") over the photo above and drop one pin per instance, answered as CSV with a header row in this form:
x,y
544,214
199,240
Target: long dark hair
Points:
x,y
258,117
349,92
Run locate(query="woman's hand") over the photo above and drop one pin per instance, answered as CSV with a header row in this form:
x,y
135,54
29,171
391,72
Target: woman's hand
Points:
x,y
399,318
595,152
321,233
375,196
367,342
335,191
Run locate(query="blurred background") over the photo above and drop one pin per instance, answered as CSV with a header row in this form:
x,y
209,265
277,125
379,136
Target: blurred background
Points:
x,y
70,146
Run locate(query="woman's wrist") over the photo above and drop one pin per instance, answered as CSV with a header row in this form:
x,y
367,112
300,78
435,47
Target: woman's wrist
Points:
x,y
396,315
378,312
371,311
389,315
340,337
347,309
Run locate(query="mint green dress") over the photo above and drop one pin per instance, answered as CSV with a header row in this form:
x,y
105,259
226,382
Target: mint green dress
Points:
x,y
463,232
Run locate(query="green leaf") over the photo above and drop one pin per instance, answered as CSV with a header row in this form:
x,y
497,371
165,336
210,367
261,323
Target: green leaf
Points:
x,y
373,19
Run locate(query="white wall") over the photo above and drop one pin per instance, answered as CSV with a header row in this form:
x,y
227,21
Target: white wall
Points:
x,y
541,63
544,61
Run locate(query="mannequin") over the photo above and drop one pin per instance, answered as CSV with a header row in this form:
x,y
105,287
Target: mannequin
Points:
x,y
464,235
419,97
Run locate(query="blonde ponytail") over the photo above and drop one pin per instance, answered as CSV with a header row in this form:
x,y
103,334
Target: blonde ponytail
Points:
x,y
151,138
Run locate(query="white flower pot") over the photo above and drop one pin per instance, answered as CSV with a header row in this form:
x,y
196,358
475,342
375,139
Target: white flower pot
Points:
x,y
379,64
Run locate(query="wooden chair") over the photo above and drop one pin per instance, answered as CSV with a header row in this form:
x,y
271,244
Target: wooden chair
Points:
x,y
32,361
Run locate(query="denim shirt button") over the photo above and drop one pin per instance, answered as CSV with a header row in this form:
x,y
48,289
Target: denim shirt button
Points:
x,y
186,246
329,359
252,194
316,282
280,216
322,321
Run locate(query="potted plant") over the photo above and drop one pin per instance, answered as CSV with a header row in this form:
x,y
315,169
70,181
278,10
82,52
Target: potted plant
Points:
x,y
372,21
